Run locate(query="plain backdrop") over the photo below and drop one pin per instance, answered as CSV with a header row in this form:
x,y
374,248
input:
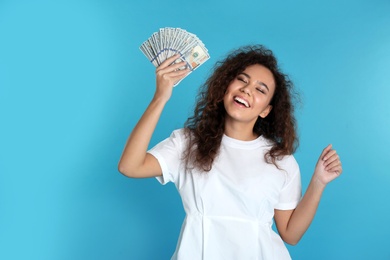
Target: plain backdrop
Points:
x,y
73,84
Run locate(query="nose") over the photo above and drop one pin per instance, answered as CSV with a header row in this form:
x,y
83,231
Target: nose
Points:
x,y
245,90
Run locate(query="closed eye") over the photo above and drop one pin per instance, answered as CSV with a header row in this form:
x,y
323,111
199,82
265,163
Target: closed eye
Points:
x,y
240,78
260,90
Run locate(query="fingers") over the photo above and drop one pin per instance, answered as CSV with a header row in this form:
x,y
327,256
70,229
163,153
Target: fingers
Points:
x,y
325,151
168,62
331,160
171,69
329,154
333,165
172,73
169,72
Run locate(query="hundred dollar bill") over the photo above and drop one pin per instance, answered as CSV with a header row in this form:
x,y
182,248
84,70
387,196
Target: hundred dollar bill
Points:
x,y
168,41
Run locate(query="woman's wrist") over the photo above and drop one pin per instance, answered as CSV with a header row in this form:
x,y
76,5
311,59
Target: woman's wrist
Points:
x,y
317,184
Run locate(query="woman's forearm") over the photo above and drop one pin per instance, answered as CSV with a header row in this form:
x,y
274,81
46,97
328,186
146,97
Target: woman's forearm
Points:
x,y
135,162
134,153
304,213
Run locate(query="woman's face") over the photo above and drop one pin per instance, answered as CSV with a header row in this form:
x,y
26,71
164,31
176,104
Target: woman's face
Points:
x,y
248,96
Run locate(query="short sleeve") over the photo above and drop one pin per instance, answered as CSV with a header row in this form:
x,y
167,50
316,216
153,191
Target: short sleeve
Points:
x,y
168,153
291,192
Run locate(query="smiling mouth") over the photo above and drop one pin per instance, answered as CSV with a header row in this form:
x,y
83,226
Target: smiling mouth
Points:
x,y
241,101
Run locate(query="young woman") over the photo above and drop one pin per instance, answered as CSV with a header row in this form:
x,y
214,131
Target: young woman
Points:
x,y
232,163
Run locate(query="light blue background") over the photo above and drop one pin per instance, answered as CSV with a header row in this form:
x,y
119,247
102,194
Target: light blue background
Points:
x,y
73,84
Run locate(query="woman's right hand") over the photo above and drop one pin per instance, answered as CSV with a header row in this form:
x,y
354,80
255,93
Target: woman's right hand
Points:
x,y
167,74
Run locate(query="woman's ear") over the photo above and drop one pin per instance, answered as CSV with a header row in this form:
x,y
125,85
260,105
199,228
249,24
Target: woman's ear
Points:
x,y
266,111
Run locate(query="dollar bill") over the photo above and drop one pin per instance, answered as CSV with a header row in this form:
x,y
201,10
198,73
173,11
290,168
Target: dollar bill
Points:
x,y
168,41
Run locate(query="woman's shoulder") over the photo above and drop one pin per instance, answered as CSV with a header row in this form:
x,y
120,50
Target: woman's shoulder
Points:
x,y
181,132
286,161
181,135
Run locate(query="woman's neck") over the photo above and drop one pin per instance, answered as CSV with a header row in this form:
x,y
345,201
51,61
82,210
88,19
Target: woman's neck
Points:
x,y
240,131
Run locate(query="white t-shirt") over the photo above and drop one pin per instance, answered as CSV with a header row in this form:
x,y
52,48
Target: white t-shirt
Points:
x,y
229,210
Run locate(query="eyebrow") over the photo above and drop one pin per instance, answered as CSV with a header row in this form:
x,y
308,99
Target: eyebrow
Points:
x,y
259,82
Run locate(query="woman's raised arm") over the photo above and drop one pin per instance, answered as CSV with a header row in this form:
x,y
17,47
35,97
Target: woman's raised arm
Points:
x,y
135,162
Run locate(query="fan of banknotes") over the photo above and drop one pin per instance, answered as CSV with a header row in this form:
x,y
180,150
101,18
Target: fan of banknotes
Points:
x,y
169,41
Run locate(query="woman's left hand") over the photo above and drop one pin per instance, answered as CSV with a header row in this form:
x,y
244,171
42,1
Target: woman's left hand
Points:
x,y
328,166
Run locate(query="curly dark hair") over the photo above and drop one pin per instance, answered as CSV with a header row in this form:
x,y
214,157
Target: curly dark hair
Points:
x,y
206,127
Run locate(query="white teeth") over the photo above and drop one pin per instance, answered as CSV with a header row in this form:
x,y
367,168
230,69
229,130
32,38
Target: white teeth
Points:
x,y
242,101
